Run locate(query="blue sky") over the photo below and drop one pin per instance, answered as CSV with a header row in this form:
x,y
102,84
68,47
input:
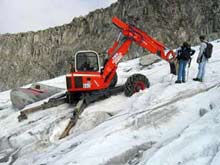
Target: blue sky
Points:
x,y
27,15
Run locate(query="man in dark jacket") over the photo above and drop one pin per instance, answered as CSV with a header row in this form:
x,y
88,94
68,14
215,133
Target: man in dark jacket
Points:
x,y
184,54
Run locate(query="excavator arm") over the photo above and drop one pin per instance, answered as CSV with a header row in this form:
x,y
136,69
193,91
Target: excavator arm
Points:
x,y
134,34
143,39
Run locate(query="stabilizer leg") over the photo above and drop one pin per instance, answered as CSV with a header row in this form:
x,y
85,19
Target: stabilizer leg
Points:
x,y
88,98
80,106
52,102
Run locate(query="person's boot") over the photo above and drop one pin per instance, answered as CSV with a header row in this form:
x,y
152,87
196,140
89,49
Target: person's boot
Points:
x,y
183,81
177,81
196,79
200,80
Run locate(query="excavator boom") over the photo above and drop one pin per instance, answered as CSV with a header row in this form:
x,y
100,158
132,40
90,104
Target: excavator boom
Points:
x,y
134,34
143,39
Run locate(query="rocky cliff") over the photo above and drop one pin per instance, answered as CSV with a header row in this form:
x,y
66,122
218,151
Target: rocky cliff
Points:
x,y
34,56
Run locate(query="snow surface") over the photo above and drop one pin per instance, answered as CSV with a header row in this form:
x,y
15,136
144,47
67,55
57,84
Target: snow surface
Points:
x,y
161,125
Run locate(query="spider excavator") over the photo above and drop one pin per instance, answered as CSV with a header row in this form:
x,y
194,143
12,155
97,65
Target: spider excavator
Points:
x,y
92,78
88,82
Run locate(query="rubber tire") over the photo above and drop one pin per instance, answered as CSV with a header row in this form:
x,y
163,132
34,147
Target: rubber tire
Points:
x,y
129,89
114,81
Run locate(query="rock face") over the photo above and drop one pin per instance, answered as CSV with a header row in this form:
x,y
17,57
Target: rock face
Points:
x,y
34,56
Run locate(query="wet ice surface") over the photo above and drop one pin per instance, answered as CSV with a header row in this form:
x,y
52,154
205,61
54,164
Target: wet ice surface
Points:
x,y
158,126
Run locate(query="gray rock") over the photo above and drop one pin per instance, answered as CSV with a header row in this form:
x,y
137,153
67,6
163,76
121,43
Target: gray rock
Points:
x,y
148,59
202,112
212,106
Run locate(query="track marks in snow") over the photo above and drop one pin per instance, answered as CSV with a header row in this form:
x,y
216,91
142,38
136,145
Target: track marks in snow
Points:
x,y
198,142
130,156
194,137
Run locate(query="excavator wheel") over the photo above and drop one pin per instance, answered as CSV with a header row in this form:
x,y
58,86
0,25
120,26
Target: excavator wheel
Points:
x,y
114,81
135,83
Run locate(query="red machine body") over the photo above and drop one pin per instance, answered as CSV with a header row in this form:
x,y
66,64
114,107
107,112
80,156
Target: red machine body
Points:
x,y
97,78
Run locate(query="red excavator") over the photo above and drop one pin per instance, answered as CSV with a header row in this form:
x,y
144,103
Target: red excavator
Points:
x,y
88,76
88,81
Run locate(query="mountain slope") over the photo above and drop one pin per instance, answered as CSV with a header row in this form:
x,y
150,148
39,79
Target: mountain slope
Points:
x,y
34,56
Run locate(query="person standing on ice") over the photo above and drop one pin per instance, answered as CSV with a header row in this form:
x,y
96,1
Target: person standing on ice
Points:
x,y
184,54
201,60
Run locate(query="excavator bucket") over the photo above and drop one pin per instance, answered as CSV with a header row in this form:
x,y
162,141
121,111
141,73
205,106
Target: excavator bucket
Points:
x,y
170,57
173,67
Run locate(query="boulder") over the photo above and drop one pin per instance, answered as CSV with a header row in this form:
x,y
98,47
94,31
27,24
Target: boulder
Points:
x,y
89,121
148,59
202,112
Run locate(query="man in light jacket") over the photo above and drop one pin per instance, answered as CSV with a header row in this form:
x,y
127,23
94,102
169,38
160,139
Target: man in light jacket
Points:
x,y
201,60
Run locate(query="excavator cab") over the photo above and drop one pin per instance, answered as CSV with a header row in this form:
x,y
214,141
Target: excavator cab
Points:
x,y
86,75
87,61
